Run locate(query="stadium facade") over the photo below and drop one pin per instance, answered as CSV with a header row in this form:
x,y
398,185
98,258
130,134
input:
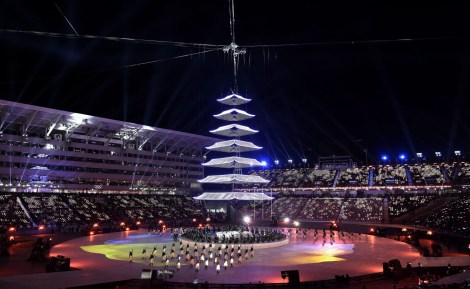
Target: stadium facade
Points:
x,y
43,149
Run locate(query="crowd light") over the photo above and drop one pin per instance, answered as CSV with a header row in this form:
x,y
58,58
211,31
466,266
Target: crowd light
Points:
x,y
41,227
419,155
289,161
264,163
384,157
276,162
429,232
48,146
137,223
402,157
304,161
208,220
246,219
438,154
12,229
286,220
96,225
160,221
296,223
122,224
457,153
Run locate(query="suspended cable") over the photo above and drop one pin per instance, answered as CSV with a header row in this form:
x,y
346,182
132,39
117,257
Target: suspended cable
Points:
x,y
210,45
346,42
58,8
123,39
110,68
232,20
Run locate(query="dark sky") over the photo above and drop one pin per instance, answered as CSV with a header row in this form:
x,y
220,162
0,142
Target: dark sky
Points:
x,y
334,97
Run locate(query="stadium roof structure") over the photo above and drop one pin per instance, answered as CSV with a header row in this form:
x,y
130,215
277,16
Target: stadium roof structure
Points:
x,y
36,120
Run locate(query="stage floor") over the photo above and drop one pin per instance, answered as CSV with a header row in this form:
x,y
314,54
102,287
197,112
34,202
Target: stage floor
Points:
x,y
104,258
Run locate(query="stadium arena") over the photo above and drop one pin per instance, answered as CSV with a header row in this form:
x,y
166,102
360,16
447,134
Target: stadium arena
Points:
x,y
97,180
108,180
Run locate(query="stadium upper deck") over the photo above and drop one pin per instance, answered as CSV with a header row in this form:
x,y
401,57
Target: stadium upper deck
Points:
x,y
54,150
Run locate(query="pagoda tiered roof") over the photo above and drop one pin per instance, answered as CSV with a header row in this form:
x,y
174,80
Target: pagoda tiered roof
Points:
x,y
234,130
233,146
233,179
233,162
234,99
234,115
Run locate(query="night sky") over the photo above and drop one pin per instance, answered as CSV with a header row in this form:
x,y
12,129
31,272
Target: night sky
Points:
x,y
348,90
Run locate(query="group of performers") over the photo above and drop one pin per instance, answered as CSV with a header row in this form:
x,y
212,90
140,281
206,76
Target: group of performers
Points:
x,y
196,256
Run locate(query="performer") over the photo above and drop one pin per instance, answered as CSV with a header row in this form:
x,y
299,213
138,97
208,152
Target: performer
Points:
x,y
131,254
225,265
217,268
252,251
178,265
144,253
206,264
151,260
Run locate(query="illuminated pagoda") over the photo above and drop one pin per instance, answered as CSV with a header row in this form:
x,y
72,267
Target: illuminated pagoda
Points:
x,y
234,146
234,131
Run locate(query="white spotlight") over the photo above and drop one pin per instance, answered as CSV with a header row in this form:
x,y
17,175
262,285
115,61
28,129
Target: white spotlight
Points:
x,y
286,220
247,219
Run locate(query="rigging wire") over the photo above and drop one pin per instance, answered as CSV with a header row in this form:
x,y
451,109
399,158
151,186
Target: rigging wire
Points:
x,y
211,45
110,38
110,68
346,42
58,8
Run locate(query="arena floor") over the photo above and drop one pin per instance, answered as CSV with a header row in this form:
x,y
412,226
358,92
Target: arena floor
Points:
x,y
104,258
